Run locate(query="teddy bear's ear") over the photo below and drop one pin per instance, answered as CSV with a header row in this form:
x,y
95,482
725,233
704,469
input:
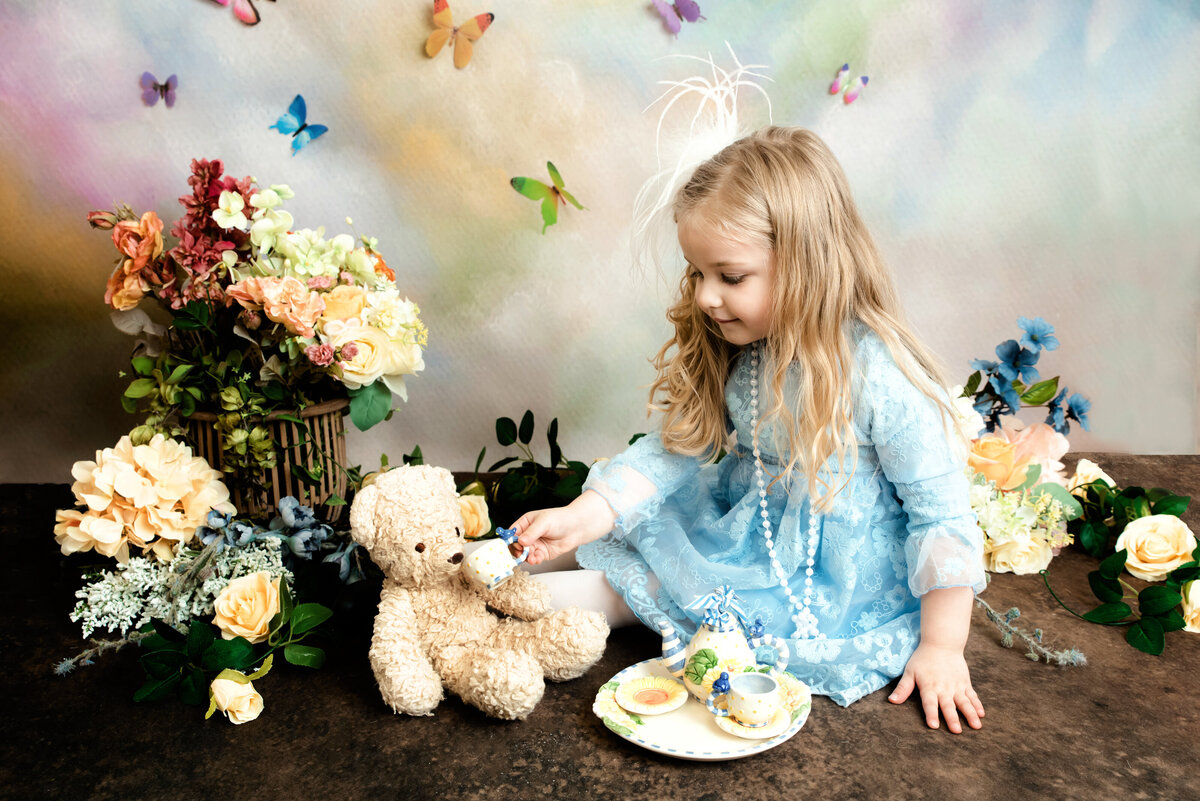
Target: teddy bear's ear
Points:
x,y
362,516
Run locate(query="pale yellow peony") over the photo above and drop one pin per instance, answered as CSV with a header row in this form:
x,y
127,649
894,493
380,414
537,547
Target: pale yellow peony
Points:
x,y
1156,545
241,703
1191,607
153,496
474,510
246,605
1022,554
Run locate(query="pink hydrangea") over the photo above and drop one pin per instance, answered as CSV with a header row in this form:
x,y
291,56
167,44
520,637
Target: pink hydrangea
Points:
x,y
320,282
348,351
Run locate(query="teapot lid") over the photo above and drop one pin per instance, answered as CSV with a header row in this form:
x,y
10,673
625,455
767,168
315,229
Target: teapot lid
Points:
x,y
721,609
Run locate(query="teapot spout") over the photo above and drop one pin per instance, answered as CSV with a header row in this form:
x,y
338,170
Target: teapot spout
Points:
x,y
674,652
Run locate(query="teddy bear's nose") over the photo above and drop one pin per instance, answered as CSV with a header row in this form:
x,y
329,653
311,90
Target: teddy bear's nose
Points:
x,y
458,557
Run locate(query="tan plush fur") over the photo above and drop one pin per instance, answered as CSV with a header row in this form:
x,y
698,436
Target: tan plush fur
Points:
x,y
434,628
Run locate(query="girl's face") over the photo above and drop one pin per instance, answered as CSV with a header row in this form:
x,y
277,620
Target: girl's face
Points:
x,y
732,279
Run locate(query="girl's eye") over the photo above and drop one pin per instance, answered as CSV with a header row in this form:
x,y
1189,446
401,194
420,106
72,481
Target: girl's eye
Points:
x,y
733,279
694,275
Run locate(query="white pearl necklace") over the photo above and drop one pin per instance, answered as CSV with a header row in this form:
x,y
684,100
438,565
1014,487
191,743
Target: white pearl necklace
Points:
x,y
805,620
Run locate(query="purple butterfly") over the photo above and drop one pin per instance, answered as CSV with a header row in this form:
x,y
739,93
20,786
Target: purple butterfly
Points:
x,y
152,90
673,15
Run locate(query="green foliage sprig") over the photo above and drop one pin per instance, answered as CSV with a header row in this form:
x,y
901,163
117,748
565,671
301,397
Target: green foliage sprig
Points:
x,y
1108,510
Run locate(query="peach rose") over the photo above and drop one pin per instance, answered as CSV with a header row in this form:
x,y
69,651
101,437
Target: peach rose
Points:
x,y
994,457
1086,472
246,605
1191,607
139,241
240,702
474,510
1039,444
344,302
1023,554
283,300
1156,544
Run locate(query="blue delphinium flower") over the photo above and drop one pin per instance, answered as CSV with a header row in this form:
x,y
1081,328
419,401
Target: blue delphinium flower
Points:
x,y
1016,361
1038,334
1056,416
298,528
294,514
1077,409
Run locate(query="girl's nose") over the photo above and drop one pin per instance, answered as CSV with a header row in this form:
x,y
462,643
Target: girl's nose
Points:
x,y
706,298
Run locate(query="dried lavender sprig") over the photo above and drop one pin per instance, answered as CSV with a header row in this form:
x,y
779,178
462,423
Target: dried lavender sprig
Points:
x,y
87,657
1072,657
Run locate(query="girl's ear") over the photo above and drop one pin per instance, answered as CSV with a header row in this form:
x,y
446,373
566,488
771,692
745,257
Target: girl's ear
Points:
x,y
362,517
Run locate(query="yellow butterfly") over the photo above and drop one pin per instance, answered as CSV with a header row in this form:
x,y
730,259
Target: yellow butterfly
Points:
x,y
460,37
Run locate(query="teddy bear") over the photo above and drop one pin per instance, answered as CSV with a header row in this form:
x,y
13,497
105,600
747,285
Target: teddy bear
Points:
x,y
437,629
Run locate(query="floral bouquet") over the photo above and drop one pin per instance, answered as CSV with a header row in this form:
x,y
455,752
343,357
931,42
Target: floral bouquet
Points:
x,y
263,318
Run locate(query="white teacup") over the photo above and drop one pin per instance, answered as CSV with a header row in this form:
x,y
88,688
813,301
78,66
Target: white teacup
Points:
x,y
754,699
491,564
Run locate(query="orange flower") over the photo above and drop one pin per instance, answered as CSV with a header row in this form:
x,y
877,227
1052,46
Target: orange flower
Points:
x,y
141,243
994,456
284,300
381,267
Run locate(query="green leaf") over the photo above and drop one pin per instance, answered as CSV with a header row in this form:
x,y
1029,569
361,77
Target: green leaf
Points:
x,y
160,664
142,365
416,457
552,438
128,404
186,324
1113,566
274,390
166,632
156,643
1106,589
199,637
304,655
526,431
335,500
1093,536
1147,635
308,616
263,669
158,689
969,389
479,459
235,654
501,463
568,487
187,405
1108,613
1032,474
700,663
506,431
370,404
141,387
306,474
1171,505
1157,600
1072,508
193,690
1172,621
178,373
1040,393
1183,574
636,437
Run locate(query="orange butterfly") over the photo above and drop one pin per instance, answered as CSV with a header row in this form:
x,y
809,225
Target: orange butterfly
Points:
x,y
460,37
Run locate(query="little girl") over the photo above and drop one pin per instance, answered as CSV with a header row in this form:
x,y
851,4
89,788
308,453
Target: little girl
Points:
x,y
840,513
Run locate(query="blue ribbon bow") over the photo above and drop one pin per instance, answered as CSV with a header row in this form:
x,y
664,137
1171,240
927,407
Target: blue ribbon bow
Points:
x,y
720,606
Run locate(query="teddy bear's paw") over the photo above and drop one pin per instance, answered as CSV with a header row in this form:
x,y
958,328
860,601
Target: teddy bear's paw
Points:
x,y
572,641
503,684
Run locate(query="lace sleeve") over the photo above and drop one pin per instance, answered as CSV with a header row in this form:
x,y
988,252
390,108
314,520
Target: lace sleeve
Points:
x,y
635,482
945,545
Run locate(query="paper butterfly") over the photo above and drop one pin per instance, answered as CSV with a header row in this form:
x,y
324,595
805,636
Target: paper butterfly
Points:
x,y
550,196
244,10
152,90
459,37
293,122
673,15
852,88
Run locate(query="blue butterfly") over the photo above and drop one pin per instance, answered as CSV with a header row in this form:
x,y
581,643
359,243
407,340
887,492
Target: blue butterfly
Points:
x,y
293,123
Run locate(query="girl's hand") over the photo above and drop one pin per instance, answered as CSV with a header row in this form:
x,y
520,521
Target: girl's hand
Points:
x,y
941,675
552,532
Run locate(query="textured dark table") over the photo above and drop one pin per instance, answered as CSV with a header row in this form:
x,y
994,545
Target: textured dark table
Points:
x,y
1126,726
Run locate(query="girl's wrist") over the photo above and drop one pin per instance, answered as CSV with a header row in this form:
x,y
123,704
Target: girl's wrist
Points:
x,y
597,517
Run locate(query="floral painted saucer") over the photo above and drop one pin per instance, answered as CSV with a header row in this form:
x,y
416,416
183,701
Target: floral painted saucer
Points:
x,y
777,726
691,731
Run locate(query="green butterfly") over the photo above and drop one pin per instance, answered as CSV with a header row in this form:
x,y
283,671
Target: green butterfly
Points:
x,y
550,196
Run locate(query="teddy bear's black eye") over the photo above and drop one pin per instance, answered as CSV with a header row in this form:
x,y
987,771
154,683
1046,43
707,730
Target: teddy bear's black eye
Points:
x,y
457,533
420,547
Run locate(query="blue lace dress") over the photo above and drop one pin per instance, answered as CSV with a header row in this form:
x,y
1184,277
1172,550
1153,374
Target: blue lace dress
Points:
x,y
901,527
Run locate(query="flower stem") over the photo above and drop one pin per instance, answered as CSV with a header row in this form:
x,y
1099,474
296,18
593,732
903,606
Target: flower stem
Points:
x,y
99,646
1072,657
1046,579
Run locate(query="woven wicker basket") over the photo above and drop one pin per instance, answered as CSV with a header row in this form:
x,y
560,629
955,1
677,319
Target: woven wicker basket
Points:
x,y
328,431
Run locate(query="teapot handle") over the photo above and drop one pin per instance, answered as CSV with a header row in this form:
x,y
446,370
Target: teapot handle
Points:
x,y
782,652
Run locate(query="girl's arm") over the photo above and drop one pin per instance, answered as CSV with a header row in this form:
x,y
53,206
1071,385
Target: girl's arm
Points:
x,y
552,532
937,668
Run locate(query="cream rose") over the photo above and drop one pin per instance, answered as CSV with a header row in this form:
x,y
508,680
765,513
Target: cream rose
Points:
x,y
1023,554
240,702
1086,472
475,516
344,302
374,351
246,605
1191,606
1157,544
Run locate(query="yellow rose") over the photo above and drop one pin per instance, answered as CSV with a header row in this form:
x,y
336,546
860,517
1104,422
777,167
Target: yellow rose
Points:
x,y
1086,472
246,605
475,516
344,302
1023,554
1157,544
240,702
1191,606
993,456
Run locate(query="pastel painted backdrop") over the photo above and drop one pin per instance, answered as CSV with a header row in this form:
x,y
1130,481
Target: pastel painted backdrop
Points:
x,y
1021,158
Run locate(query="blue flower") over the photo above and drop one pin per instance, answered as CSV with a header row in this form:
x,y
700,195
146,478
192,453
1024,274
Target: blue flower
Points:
x,y
1077,409
1057,414
294,514
217,519
1015,361
348,569
1004,388
1038,334
984,366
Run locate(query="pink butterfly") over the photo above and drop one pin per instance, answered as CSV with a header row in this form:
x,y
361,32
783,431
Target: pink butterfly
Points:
x,y
673,15
852,88
244,10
